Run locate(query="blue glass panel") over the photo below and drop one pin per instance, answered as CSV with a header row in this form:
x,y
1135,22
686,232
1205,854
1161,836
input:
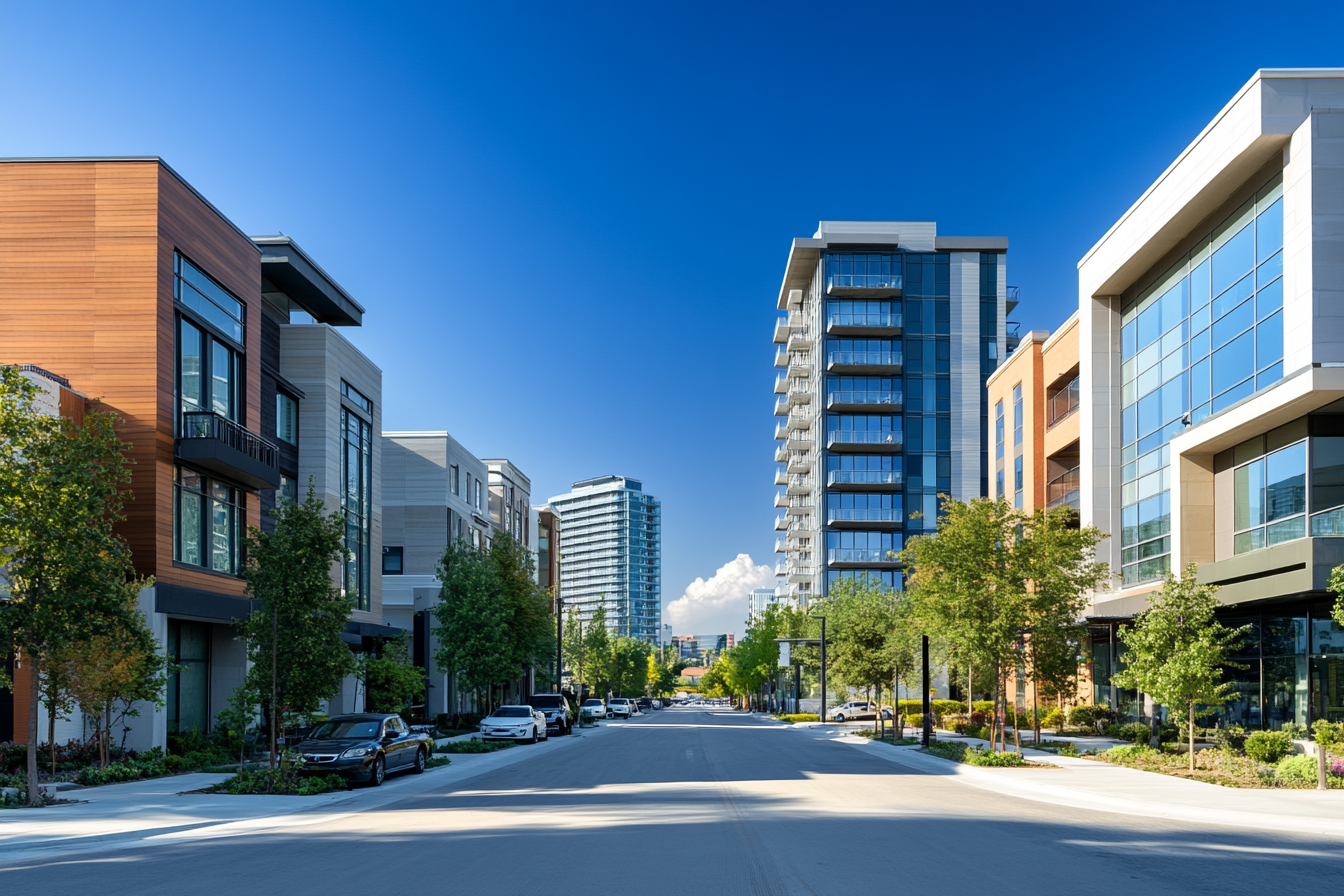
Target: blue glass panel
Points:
x,y
1269,377
1175,398
1130,524
1200,413
1200,319
1199,345
1150,412
1129,424
1233,395
1269,299
1234,260
1232,363
1286,482
1151,442
1175,304
1269,341
1199,383
1269,230
1233,323
1233,297
1199,285
1269,270
1150,325
1127,336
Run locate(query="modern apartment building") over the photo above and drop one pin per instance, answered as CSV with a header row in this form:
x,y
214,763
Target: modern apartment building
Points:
x,y
612,556
510,500
547,525
698,648
889,335
760,599
433,495
1211,422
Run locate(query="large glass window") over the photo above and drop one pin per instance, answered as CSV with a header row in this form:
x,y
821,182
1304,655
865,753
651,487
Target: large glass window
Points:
x,y
843,546
863,270
286,418
357,493
208,519
1270,499
1205,335
207,372
879,352
998,429
863,314
206,299
188,697
1017,414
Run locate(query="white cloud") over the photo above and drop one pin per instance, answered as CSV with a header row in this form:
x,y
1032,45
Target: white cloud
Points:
x,y
721,603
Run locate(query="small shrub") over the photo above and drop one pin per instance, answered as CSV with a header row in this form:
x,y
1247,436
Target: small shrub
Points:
x,y
792,717
948,750
120,772
1230,740
990,759
1069,749
1295,771
287,780
1294,730
915,721
983,706
1268,746
473,746
1134,732
1129,753
437,761
1093,716
1053,719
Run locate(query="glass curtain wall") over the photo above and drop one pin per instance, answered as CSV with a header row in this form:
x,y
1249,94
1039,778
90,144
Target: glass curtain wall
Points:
x,y
1206,335
357,491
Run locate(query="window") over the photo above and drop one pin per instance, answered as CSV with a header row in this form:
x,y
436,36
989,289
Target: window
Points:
x,y
453,482
357,397
476,497
863,270
207,372
1270,499
286,418
357,493
1017,414
207,522
998,429
188,697
1017,482
998,479
392,561
288,490
207,300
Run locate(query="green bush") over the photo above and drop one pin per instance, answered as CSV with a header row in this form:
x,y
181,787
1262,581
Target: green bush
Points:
x,y
1134,732
792,717
1230,740
948,750
1294,771
990,759
473,746
915,721
1093,716
437,761
287,780
1268,746
1053,719
1294,730
120,772
1129,753
984,706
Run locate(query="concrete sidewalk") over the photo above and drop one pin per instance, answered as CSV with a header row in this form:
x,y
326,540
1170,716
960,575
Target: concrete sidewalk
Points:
x,y
161,810
1093,784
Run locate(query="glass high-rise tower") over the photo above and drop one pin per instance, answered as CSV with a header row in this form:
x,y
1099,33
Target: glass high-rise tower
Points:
x,y
889,336
611,554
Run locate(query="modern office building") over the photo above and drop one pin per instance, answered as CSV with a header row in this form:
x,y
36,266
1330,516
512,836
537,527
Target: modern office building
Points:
x,y
698,648
889,334
612,555
760,599
1211,331
510,500
433,495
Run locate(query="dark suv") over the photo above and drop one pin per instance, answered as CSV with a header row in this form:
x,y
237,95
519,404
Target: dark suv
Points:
x,y
645,704
556,709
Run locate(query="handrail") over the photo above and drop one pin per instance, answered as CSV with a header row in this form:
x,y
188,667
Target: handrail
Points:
x,y
1063,489
1062,403
209,425
853,437
866,397
871,359
864,477
890,319
865,514
860,555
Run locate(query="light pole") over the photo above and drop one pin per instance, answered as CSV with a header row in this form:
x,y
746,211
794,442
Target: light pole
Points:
x,y
821,716
928,707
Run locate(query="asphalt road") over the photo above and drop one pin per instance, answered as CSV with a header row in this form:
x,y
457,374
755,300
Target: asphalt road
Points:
x,y
689,801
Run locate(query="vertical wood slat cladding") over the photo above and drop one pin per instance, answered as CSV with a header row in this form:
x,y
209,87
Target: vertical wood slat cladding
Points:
x,y
86,290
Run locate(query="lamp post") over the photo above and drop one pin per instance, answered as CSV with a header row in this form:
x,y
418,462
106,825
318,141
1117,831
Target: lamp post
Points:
x,y
821,716
928,707
559,642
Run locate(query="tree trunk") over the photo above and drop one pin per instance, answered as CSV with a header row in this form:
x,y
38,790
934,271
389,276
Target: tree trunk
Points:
x,y
1191,728
107,734
1155,728
34,695
51,734
1321,766
994,717
275,639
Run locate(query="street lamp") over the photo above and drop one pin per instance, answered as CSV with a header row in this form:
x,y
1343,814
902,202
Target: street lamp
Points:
x,y
821,716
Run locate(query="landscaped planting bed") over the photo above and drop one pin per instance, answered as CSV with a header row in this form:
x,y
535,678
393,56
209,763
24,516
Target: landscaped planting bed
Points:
x,y
1228,768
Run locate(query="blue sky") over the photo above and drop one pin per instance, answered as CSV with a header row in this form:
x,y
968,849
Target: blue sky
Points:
x,y
568,222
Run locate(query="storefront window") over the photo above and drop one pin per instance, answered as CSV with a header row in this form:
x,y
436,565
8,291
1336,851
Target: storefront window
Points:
x,y
189,687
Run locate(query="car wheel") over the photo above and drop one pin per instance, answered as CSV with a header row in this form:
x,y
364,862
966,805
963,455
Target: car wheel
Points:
x,y
379,771
545,734
839,718
420,761
533,738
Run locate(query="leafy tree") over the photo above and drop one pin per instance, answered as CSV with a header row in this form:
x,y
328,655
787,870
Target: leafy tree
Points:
x,y
597,652
473,618
391,681
861,617
529,626
294,641
628,665
64,568
1177,650
56,697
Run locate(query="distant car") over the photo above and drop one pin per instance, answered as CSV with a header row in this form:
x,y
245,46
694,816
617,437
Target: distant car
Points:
x,y
855,710
593,709
365,747
645,703
516,723
619,706
556,710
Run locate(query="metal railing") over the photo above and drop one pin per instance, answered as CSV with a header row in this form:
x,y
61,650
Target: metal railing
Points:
x,y
863,281
860,555
209,425
864,477
1063,490
851,437
888,320
879,397
864,514
864,359
1062,404
800,480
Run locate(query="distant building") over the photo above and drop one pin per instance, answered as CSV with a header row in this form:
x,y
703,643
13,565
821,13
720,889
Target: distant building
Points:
x,y
696,648
612,555
760,599
546,546
510,500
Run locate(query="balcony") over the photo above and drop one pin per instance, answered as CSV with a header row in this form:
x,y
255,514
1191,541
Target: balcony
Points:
x,y
1062,404
781,500
801,418
849,440
781,407
800,484
876,324
800,438
1063,490
1014,296
864,401
781,430
800,575
1013,336
864,362
800,363
781,357
781,523
864,516
219,445
800,339
800,461
781,477
781,330
781,454
860,557
781,384
781,569
798,505
866,479
871,286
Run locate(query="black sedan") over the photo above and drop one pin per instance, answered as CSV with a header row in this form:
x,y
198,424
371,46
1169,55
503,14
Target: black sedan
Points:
x,y
365,747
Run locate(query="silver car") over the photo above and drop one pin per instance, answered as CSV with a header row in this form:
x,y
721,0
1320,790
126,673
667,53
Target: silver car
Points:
x,y
516,723
619,706
855,710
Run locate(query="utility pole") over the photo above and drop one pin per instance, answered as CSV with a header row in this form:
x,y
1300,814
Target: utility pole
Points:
x,y
928,704
559,641
821,716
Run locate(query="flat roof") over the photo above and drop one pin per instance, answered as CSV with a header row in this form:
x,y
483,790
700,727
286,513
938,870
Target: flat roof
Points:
x,y
291,269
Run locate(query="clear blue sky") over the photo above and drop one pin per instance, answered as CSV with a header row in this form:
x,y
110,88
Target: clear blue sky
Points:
x,y
568,222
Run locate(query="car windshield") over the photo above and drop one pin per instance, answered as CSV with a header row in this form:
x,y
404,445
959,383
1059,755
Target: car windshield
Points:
x,y
338,728
511,712
592,703
547,702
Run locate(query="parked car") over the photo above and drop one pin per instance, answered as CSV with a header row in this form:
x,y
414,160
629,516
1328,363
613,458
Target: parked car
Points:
x,y
593,709
855,710
517,723
365,747
645,703
556,710
619,706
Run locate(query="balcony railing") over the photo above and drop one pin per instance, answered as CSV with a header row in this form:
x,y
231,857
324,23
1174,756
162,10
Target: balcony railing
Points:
x,y
859,555
781,407
880,397
782,357
800,483
851,437
863,359
892,320
864,514
842,284
864,477
223,446
1063,490
1062,404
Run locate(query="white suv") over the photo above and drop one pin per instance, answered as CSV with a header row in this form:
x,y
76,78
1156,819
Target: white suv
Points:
x,y
855,710
619,706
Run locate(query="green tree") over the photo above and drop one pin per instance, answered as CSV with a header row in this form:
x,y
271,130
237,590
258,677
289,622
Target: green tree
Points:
x,y
294,641
393,683
628,665
1177,650
473,619
861,618
529,626
64,567
597,652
